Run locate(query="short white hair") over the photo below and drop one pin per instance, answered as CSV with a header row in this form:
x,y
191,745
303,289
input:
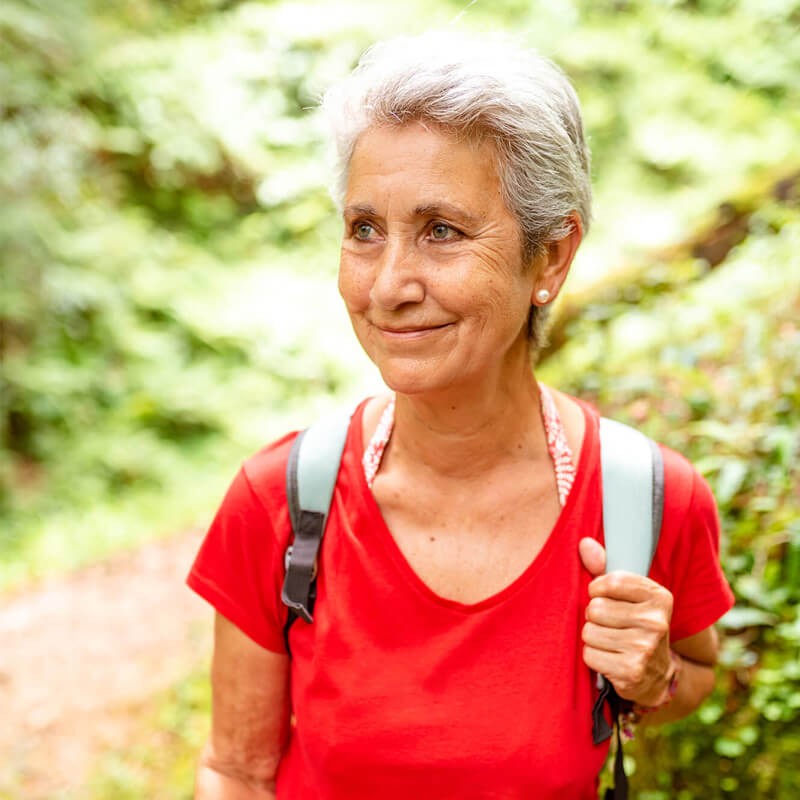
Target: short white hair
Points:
x,y
485,87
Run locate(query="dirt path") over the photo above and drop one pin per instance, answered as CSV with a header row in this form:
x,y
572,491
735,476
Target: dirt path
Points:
x,y
78,652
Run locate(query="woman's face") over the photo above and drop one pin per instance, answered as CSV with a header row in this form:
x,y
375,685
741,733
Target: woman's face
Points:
x,y
431,270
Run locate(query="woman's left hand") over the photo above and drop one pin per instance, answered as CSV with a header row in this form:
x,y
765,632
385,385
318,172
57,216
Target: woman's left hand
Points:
x,y
626,635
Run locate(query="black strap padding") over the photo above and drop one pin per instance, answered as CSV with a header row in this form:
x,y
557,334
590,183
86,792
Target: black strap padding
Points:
x,y
620,778
601,730
290,618
619,791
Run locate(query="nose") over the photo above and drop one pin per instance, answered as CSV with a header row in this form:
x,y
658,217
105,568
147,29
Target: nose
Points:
x,y
398,280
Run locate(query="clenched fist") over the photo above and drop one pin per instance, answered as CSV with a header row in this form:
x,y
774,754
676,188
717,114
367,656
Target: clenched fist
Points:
x,y
626,635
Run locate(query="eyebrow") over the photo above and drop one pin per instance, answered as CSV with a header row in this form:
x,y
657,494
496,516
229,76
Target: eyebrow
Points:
x,y
359,210
448,210
433,209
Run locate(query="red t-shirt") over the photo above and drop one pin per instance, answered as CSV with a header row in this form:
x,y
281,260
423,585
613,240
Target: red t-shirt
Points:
x,y
398,692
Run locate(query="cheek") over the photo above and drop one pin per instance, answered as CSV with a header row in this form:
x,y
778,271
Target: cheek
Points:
x,y
353,285
495,283
497,301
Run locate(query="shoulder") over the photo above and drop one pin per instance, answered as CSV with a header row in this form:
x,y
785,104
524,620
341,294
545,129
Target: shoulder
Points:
x,y
686,491
688,499
687,559
255,501
265,471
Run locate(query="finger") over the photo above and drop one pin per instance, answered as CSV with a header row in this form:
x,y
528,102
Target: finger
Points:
x,y
625,586
613,613
606,663
624,673
592,555
611,640
644,618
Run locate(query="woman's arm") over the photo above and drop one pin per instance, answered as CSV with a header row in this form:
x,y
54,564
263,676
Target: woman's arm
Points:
x,y
250,719
696,679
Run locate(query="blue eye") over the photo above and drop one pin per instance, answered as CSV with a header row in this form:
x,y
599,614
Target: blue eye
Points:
x,y
362,230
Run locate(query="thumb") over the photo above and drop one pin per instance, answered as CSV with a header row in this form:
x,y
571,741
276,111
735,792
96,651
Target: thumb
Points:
x,y
593,556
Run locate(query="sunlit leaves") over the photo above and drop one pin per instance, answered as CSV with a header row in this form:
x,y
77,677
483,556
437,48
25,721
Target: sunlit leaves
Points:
x,y
168,297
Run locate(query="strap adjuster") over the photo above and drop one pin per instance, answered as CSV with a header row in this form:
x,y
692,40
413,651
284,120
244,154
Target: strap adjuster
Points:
x,y
300,608
287,560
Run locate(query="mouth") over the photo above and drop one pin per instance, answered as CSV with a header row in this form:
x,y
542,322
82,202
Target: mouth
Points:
x,y
411,331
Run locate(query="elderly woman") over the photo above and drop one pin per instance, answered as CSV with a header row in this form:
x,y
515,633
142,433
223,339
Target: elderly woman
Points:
x,y
462,610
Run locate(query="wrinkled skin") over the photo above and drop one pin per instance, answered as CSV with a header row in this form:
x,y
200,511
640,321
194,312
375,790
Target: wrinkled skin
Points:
x,y
431,265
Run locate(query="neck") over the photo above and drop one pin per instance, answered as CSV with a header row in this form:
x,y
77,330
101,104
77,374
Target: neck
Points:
x,y
467,430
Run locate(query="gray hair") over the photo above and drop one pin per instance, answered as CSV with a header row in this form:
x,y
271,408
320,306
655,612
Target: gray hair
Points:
x,y
485,86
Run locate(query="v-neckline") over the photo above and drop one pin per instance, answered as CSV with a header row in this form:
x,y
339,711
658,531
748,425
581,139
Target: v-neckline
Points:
x,y
384,534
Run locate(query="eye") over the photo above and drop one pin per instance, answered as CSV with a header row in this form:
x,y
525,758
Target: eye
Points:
x,y
363,231
442,232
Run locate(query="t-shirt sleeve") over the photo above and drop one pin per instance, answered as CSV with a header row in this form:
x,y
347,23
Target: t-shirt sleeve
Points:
x,y
237,569
701,594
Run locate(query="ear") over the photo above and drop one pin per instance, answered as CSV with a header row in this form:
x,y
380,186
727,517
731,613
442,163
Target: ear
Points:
x,y
552,266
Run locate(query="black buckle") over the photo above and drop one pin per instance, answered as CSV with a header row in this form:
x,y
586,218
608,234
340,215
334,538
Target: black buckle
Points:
x,y
297,606
287,559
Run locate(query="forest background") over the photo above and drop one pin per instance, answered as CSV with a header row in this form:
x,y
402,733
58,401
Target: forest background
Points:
x,y
168,254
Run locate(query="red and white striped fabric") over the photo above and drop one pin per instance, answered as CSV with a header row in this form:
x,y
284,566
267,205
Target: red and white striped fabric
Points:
x,y
557,444
377,444
560,451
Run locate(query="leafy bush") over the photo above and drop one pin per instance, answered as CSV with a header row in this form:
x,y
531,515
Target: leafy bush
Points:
x,y
168,301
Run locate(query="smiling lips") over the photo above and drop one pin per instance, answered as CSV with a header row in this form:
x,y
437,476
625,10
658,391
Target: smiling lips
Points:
x,y
411,331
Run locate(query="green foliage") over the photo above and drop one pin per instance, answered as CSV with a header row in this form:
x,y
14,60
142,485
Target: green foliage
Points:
x,y
713,370
168,301
161,244
168,243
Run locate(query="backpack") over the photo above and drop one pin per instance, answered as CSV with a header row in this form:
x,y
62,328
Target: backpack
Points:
x,y
632,472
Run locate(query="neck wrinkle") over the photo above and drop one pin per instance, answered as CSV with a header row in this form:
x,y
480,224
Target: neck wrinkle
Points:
x,y
457,436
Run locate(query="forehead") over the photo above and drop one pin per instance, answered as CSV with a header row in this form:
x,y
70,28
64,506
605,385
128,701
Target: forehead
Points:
x,y
414,165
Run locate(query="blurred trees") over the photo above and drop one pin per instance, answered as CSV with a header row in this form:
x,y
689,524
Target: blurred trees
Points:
x,y
168,252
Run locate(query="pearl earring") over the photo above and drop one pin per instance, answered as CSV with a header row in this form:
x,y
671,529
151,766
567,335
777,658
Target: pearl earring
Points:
x,y
543,296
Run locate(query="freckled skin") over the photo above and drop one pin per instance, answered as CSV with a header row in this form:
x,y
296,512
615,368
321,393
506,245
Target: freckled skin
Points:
x,y
413,261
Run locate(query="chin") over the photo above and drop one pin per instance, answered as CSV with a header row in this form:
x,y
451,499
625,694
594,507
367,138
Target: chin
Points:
x,y
416,379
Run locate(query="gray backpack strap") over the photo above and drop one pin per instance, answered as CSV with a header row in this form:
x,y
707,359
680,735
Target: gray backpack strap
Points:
x,y
311,474
632,470
633,496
